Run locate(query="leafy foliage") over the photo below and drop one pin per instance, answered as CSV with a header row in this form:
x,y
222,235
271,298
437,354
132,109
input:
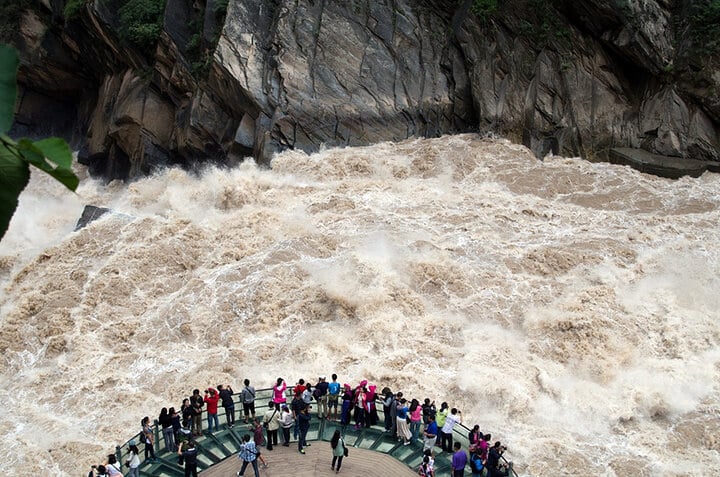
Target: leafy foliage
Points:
x,y
221,8
141,23
484,8
73,8
51,155
705,27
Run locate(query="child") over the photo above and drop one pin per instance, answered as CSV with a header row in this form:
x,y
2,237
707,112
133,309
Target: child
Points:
x,y
259,439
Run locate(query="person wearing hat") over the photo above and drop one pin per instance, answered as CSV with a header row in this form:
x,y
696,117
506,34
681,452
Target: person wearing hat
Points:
x,y
321,396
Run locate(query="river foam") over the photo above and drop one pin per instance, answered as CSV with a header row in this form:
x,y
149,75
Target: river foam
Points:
x,y
569,308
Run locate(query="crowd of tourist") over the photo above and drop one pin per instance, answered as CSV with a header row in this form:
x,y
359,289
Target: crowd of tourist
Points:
x,y
406,420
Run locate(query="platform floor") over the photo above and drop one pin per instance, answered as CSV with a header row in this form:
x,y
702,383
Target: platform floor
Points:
x,y
287,461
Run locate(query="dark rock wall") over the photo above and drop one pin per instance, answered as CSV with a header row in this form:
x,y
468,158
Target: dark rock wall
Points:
x,y
570,77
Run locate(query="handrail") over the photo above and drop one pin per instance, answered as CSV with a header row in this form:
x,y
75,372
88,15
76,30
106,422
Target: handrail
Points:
x,y
122,450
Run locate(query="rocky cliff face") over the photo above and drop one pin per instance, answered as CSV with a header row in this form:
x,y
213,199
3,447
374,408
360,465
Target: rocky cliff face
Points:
x,y
254,77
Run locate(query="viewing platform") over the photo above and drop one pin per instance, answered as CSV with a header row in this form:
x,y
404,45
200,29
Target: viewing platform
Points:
x,y
370,449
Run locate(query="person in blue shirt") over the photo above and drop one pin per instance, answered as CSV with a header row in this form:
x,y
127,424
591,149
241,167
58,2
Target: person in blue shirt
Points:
x,y
430,434
333,398
402,426
248,454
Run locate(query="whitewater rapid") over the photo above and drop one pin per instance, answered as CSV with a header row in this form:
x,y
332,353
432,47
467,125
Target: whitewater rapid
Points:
x,y
569,308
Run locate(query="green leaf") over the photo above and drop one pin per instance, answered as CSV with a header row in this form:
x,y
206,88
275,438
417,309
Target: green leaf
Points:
x,y
8,87
14,176
58,153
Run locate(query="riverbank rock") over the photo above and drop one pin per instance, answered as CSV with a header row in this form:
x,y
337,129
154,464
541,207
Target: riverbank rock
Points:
x,y
224,80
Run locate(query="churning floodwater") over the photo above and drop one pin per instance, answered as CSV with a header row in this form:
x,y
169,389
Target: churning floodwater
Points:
x,y
569,308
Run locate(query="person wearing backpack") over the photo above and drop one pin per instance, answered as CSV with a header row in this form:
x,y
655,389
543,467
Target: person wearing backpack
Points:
x,y
247,396
338,451
476,463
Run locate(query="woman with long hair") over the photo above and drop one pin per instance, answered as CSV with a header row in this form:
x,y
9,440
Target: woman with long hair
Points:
x,y
133,461
415,418
338,450
147,438
165,422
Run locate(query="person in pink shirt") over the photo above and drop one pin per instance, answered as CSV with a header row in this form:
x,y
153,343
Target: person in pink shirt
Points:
x,y
211,399
415,419
279,392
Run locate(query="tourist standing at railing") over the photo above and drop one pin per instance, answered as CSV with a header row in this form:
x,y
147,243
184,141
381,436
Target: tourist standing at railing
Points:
x,y
211,399
279,391
333,397
226,395
338,451
430,434
446,432
440,419
495,469
371,415
175,419
286,422
393,413
347,399
474,438
186,412
271,422
402,425
148,438
428,409
304,420
415,413
360,401
321,396
248,454
166,424
299,387
485,447
387,409
247,395
307,394
197,403
133,462
459,460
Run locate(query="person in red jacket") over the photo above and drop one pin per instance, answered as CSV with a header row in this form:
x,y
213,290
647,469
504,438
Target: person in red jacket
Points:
x,y
211,399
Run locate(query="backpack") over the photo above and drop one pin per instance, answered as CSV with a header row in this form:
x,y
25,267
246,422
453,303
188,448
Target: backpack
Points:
x,y
476,464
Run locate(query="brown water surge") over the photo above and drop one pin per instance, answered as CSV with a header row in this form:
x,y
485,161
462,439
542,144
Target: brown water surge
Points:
x,y
569,308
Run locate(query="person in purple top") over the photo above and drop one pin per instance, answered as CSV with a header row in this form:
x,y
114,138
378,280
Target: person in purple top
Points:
x,y
459,460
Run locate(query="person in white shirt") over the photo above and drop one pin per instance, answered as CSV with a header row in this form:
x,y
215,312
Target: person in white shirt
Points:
x,y
453,418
